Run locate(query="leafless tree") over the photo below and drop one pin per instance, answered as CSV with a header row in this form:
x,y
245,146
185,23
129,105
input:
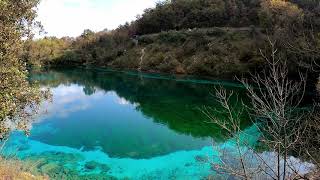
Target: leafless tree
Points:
x,y
241,161
275,102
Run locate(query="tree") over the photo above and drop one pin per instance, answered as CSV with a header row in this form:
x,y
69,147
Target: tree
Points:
x,y
276,103
87,33
18,98
285,128
46,51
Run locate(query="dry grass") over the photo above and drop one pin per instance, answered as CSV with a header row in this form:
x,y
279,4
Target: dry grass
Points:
x,y
17,170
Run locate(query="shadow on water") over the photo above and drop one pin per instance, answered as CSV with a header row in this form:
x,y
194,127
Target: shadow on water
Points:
x,y
167,100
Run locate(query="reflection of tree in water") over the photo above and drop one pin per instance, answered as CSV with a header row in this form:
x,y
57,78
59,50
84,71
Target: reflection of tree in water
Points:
x,y
167,101
89,90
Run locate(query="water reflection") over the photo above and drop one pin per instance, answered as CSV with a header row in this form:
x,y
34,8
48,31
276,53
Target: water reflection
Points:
x,y
125,115
108,124
172,102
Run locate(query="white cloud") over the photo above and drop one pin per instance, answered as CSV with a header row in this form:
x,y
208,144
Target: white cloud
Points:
x,y
70,17
66,99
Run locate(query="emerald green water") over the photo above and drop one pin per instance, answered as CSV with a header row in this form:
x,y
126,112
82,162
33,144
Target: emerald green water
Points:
x,y
104,124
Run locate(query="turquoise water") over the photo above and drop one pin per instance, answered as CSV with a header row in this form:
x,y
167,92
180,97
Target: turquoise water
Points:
x,y
118,125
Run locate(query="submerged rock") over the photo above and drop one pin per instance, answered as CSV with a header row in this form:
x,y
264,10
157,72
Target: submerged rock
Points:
x,y
51,169
91,165
188,165
202,159
104,168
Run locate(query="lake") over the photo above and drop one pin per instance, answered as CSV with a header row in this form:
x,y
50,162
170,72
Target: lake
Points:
x,y
104,124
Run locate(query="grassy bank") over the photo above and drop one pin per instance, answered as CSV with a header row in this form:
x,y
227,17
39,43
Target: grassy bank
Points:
x,y
210,51
218,52
17,170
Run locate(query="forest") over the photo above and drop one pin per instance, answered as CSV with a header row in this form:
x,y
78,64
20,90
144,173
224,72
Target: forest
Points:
x,y
193,37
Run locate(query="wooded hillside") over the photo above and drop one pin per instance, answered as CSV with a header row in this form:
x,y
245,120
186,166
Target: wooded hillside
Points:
x,y
203,37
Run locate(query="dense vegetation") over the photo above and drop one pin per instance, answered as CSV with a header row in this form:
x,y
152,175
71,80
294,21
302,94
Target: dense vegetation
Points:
x,y
182,14
18,99
204,37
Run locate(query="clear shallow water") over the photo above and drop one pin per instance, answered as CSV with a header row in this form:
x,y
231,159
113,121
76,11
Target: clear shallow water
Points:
x,y
106,124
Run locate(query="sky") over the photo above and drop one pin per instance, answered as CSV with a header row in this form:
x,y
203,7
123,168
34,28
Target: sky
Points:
x,y
70,17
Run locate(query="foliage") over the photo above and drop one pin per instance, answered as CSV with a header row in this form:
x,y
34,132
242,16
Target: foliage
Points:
x,y
200,51
184,14
276,14
172,43
294,25
45,51
18,99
